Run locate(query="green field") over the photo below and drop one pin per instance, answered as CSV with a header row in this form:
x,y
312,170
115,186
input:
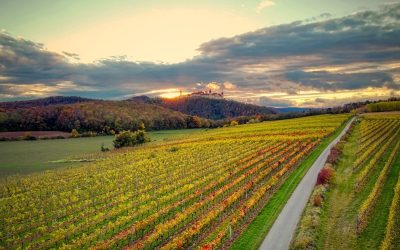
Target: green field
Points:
x,y
21,157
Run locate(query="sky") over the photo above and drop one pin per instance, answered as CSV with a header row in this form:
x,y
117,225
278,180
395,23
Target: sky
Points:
x,y
306,53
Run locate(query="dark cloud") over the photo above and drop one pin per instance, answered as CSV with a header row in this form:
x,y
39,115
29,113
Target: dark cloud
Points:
x,y
335,81
273,59
72,55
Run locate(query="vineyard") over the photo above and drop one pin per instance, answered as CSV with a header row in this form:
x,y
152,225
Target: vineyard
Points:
x,y
379,142
361,210
196,192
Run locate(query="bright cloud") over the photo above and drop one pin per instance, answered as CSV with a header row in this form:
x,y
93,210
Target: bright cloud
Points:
x,y
160,35
264,4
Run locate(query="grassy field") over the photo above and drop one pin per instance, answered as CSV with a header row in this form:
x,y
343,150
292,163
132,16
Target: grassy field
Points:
x,y
22,157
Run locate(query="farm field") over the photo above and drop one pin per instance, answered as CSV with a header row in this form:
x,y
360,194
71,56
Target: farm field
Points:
x,y
200,190
361,209
22,157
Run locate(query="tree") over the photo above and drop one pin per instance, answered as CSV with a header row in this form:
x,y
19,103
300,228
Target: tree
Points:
x,y
194,122
141,126
125,138
141,137
74,133
128,138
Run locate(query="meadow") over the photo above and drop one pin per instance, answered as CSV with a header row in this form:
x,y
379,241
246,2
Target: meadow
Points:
x,y
23,157
361,208
197,191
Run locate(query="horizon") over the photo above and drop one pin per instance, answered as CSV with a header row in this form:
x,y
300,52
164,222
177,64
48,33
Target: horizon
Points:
x,y
259,52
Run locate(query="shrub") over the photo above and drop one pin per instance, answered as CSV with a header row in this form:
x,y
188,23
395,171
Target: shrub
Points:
x,y
325,175
303,242
234,123
334,155
253,121
317,200
103,148
141,137
89,134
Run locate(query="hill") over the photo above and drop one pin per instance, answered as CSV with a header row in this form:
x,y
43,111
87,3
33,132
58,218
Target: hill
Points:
x,y
208,108
92,115
52,100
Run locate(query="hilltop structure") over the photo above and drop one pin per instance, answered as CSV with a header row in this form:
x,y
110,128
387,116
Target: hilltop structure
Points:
x,y
208,94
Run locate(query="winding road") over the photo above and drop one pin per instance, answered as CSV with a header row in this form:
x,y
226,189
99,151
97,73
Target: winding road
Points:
x,y
282,231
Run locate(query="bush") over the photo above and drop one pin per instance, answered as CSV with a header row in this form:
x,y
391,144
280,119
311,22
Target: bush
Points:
x,y
253,121
141,137
129,139
334,155
234,123
103,148
325,175
317,200
89,134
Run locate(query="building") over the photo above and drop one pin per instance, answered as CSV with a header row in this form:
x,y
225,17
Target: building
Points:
x,y
208,94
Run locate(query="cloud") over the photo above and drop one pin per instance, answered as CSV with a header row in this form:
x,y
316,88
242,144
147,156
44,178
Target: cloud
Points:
x,y
213,86
337,81
229,85
351,53
264,4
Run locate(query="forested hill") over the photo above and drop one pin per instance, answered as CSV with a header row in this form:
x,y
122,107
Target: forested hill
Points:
x,y
208,108
93,115
52,100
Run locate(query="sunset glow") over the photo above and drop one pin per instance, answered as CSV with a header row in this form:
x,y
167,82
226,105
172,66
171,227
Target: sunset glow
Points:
x,y
255,51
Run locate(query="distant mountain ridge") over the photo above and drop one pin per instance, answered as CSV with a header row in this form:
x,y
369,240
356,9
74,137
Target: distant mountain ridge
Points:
x,y
294,109
209,108
52,100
